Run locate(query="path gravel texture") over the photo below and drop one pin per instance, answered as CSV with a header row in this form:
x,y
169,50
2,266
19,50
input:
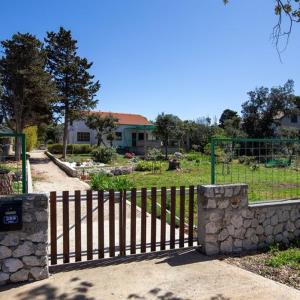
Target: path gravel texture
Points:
x,y
48,177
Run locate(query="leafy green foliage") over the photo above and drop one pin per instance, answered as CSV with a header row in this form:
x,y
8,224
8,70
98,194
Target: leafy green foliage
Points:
x,y
31,137
154,154
102,125
167,127
103,154
71,149
144,165
101,181
76,90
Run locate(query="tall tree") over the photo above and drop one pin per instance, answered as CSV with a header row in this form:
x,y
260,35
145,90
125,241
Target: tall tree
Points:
x,y
227,114
75,86
27,87
102,124
167,127
262,108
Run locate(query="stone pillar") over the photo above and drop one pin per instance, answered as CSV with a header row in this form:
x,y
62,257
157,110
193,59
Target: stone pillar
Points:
x,y
220,211
23,253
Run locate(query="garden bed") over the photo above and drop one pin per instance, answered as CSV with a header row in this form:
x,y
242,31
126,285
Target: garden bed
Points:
x,y
282,265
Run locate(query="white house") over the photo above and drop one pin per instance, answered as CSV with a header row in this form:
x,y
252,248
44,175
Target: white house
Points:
x,y
134,133
291,121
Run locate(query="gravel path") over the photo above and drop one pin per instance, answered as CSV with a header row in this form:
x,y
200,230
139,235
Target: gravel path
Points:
x,y
48,177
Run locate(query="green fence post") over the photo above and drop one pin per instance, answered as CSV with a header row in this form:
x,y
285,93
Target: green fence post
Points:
x,y
213,161
24,179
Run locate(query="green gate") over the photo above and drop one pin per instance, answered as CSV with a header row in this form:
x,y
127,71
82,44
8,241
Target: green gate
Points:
x,y
270,167
8,161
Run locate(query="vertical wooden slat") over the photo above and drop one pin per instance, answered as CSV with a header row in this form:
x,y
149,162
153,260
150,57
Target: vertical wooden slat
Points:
x,y
100,224
120,223
163,219
172,217
66,237
89,224
77,226
181,216
153,218
133,222
124,223
53,228
143,219
111,223
191,215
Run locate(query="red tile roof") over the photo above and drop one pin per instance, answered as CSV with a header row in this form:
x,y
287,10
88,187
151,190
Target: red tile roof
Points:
x,y
125,119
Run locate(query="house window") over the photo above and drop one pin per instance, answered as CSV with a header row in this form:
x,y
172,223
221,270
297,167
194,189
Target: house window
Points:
x,y
294,119
118,136
151,137
83,137
141,136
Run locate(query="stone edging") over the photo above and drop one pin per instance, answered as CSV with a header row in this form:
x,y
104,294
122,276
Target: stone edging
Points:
x,y
62,165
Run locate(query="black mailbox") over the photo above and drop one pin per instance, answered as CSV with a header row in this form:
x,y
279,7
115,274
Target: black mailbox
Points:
x,y
11,215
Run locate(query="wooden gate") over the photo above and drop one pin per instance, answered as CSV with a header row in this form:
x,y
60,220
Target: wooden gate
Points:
x,y
96,224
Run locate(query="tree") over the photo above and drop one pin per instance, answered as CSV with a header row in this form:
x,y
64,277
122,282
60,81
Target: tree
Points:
x,y
167,127
75,86
289,9
103,125
263,107
27,87
227,114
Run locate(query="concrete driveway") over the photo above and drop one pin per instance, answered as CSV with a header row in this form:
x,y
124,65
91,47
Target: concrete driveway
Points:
x,y
177,275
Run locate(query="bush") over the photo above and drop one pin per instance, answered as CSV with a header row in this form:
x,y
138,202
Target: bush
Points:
x,y
103,154
154,154
31,137
144,165
71,148
101,181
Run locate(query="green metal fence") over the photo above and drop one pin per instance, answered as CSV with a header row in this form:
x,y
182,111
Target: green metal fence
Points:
x,y
12,164
270,167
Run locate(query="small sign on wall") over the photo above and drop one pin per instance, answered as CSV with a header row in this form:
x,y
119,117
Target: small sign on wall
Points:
x,y
11,215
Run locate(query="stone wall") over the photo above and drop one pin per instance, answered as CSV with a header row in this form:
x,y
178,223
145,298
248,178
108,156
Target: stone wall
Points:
x,y
23,253
228,224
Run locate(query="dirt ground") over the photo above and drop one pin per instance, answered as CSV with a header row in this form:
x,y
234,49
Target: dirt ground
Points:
x,y
48,177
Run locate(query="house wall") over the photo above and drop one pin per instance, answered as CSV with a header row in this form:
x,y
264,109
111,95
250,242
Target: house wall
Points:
x,y
286,122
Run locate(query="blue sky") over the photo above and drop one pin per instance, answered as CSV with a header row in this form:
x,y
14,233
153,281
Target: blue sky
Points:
x,y
187,57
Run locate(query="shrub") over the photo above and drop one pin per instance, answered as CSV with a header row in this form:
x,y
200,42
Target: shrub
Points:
x,y
103,154
71,148
101,181
31,137
144,165
154,154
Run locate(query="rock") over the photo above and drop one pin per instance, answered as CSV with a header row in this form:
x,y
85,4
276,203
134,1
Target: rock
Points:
x,y
250,232
247,223
215,216
261,218
41,216
21,275
284,216
38,237
11,265
223,204
24,249
211,203
10,240
270,240
254,223
297,224
238,243
268,230
248,245
290,226
226,246
259,230
237,221
27,218
39,273
31,261
3,278
223,235
211,248
254,239
230,229
228,192
294,214
274,220
240,233
41,249
278,237
278,229
5,252
211,227
247,214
